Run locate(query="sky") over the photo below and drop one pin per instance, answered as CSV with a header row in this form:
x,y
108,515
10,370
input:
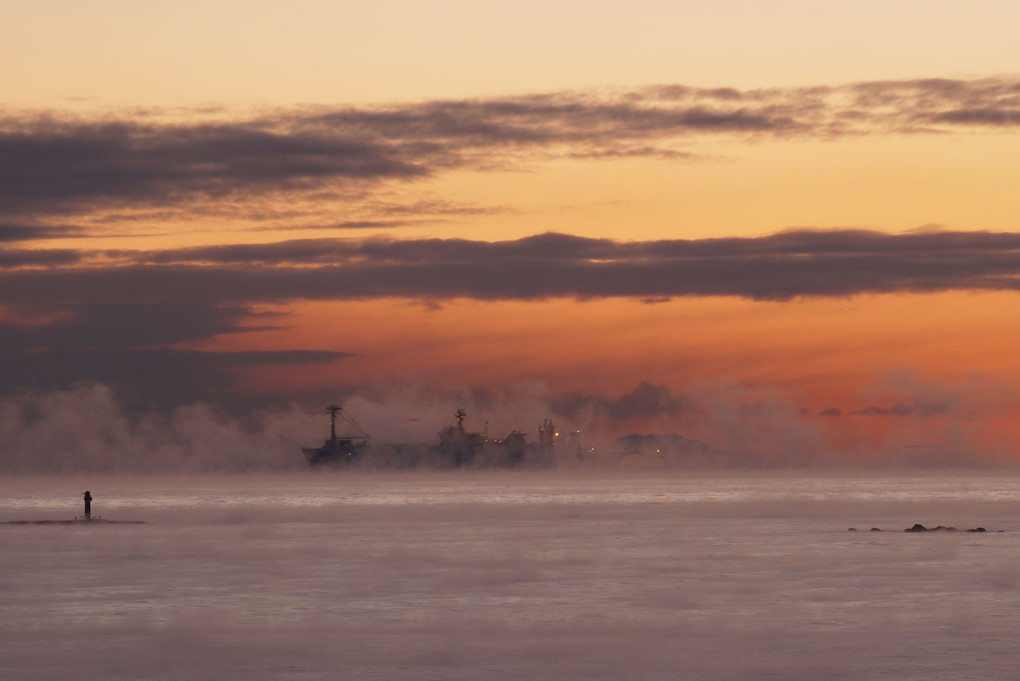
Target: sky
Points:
x,y
765,225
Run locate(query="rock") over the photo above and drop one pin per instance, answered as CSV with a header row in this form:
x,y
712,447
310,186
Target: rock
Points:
x,y
918,527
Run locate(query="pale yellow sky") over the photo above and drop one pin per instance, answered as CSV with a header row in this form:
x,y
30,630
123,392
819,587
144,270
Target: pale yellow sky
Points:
x,y
125,52
749,189
886,183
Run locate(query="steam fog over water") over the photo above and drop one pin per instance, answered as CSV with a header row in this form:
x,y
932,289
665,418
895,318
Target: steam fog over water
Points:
x,y
511,575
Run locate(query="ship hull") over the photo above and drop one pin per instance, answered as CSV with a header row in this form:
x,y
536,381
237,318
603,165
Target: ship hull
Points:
x,y
334,452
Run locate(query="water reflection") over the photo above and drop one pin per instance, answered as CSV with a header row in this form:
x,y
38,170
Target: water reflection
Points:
x,y
317,491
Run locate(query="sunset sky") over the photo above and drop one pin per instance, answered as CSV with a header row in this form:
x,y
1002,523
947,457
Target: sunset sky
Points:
x,y
765,225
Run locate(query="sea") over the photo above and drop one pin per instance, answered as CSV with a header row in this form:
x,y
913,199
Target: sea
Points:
x,y
512,575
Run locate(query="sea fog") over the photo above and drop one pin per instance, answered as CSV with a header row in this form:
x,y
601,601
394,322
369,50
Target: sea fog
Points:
x,y
510,575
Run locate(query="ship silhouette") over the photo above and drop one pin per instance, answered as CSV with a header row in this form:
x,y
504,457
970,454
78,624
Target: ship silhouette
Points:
x,y
464,448
457,447
339,449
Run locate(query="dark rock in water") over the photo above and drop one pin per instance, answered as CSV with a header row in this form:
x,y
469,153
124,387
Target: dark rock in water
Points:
x,y
918,527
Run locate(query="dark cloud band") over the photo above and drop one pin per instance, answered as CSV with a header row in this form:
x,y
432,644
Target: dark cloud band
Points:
x,y
778,267
125,324
50,164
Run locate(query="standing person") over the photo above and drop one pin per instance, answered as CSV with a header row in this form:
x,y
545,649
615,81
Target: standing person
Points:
x,y
88,505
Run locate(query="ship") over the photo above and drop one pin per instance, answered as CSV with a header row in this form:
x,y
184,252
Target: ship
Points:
x,y
462,448
339,449
458,447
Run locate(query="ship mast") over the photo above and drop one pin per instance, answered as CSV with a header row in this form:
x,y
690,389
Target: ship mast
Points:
x,y
333,410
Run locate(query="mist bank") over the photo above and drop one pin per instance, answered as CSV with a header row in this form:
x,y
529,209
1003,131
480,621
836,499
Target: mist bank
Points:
x,y
87,429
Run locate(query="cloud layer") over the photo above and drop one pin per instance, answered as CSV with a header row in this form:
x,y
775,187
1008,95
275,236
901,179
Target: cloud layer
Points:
x,y
799,263
122,316
133,318
53,164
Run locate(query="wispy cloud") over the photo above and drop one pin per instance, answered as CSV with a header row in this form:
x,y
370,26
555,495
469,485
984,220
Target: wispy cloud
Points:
x,y
16,232
22,257
897,409
51,164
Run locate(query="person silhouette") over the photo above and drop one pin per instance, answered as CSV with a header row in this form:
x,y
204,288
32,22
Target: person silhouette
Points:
x,y
88,505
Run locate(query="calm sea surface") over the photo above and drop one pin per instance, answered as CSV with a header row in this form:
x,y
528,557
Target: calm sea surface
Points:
x,y
512,575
